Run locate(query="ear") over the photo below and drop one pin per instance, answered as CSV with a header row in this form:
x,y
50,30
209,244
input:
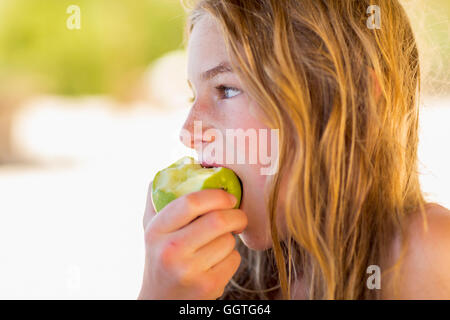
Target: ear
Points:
x,y
375,80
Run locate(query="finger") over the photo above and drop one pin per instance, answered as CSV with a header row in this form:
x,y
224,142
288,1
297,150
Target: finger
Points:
x,y
215,251
210,226
185,209
149,212
226,268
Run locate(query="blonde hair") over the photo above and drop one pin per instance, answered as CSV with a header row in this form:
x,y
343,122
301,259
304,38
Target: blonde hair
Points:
x,y
345,99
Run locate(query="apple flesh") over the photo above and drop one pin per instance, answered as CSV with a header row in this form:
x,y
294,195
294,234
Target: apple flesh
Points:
x,y
186,176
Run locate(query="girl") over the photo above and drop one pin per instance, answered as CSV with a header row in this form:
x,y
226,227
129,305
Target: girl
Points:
x,y
343,217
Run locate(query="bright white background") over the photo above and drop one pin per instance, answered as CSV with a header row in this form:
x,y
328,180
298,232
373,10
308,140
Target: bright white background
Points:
x,y
71,225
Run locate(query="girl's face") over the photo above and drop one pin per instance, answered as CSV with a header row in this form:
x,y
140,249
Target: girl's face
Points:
x,y
220,103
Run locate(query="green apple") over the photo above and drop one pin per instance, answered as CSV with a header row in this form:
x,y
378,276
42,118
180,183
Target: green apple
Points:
x,y
186,176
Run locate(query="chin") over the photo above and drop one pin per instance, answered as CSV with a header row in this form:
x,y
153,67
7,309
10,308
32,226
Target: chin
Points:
x,y
255,242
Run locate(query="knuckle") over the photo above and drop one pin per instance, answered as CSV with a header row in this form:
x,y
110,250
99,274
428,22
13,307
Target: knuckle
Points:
x,y
218,220
191,201
222,195
185,276
169,254
225,198
241,216
166,259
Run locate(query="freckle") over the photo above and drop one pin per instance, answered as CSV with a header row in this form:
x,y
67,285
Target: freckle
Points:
x,y
173,243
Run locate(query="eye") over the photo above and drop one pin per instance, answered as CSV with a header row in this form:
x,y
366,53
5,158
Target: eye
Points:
x,y
228,92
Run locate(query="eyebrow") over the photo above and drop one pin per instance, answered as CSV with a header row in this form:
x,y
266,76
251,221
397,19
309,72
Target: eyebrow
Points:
x,y
223,67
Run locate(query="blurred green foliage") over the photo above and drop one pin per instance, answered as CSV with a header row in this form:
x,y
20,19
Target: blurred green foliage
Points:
x,y
436,32
116,37
119,38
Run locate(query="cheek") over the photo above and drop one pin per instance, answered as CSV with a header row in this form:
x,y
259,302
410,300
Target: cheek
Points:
x,y
239,116
253,132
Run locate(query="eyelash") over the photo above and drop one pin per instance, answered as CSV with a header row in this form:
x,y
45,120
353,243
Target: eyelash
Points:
x,y
221,90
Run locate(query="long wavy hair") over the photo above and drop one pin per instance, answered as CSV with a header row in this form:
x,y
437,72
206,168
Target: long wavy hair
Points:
x,y
345,99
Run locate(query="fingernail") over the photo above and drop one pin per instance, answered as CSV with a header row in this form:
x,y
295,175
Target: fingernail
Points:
x,y
233,199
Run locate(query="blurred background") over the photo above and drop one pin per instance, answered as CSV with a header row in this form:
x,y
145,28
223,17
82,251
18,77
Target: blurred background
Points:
x,y
91,101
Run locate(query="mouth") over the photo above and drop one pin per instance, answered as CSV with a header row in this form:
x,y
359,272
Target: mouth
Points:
x,y
208,165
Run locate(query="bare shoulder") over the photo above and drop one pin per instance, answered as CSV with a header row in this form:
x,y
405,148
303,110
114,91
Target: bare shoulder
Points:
x,y
425,272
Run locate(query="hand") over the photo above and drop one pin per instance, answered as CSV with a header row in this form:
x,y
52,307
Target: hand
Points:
x,y
190,246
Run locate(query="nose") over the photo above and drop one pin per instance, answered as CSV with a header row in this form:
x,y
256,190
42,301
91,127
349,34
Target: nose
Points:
x,y
192,133
187,134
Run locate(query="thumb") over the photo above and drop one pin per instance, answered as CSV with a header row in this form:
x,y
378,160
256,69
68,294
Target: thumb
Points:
x,y
149,212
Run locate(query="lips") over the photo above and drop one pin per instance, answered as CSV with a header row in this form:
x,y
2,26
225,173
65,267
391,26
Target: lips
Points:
x,y
211,164
208,162
207,165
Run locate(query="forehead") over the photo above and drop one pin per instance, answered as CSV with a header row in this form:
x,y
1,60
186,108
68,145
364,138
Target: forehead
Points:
x,y
206,48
